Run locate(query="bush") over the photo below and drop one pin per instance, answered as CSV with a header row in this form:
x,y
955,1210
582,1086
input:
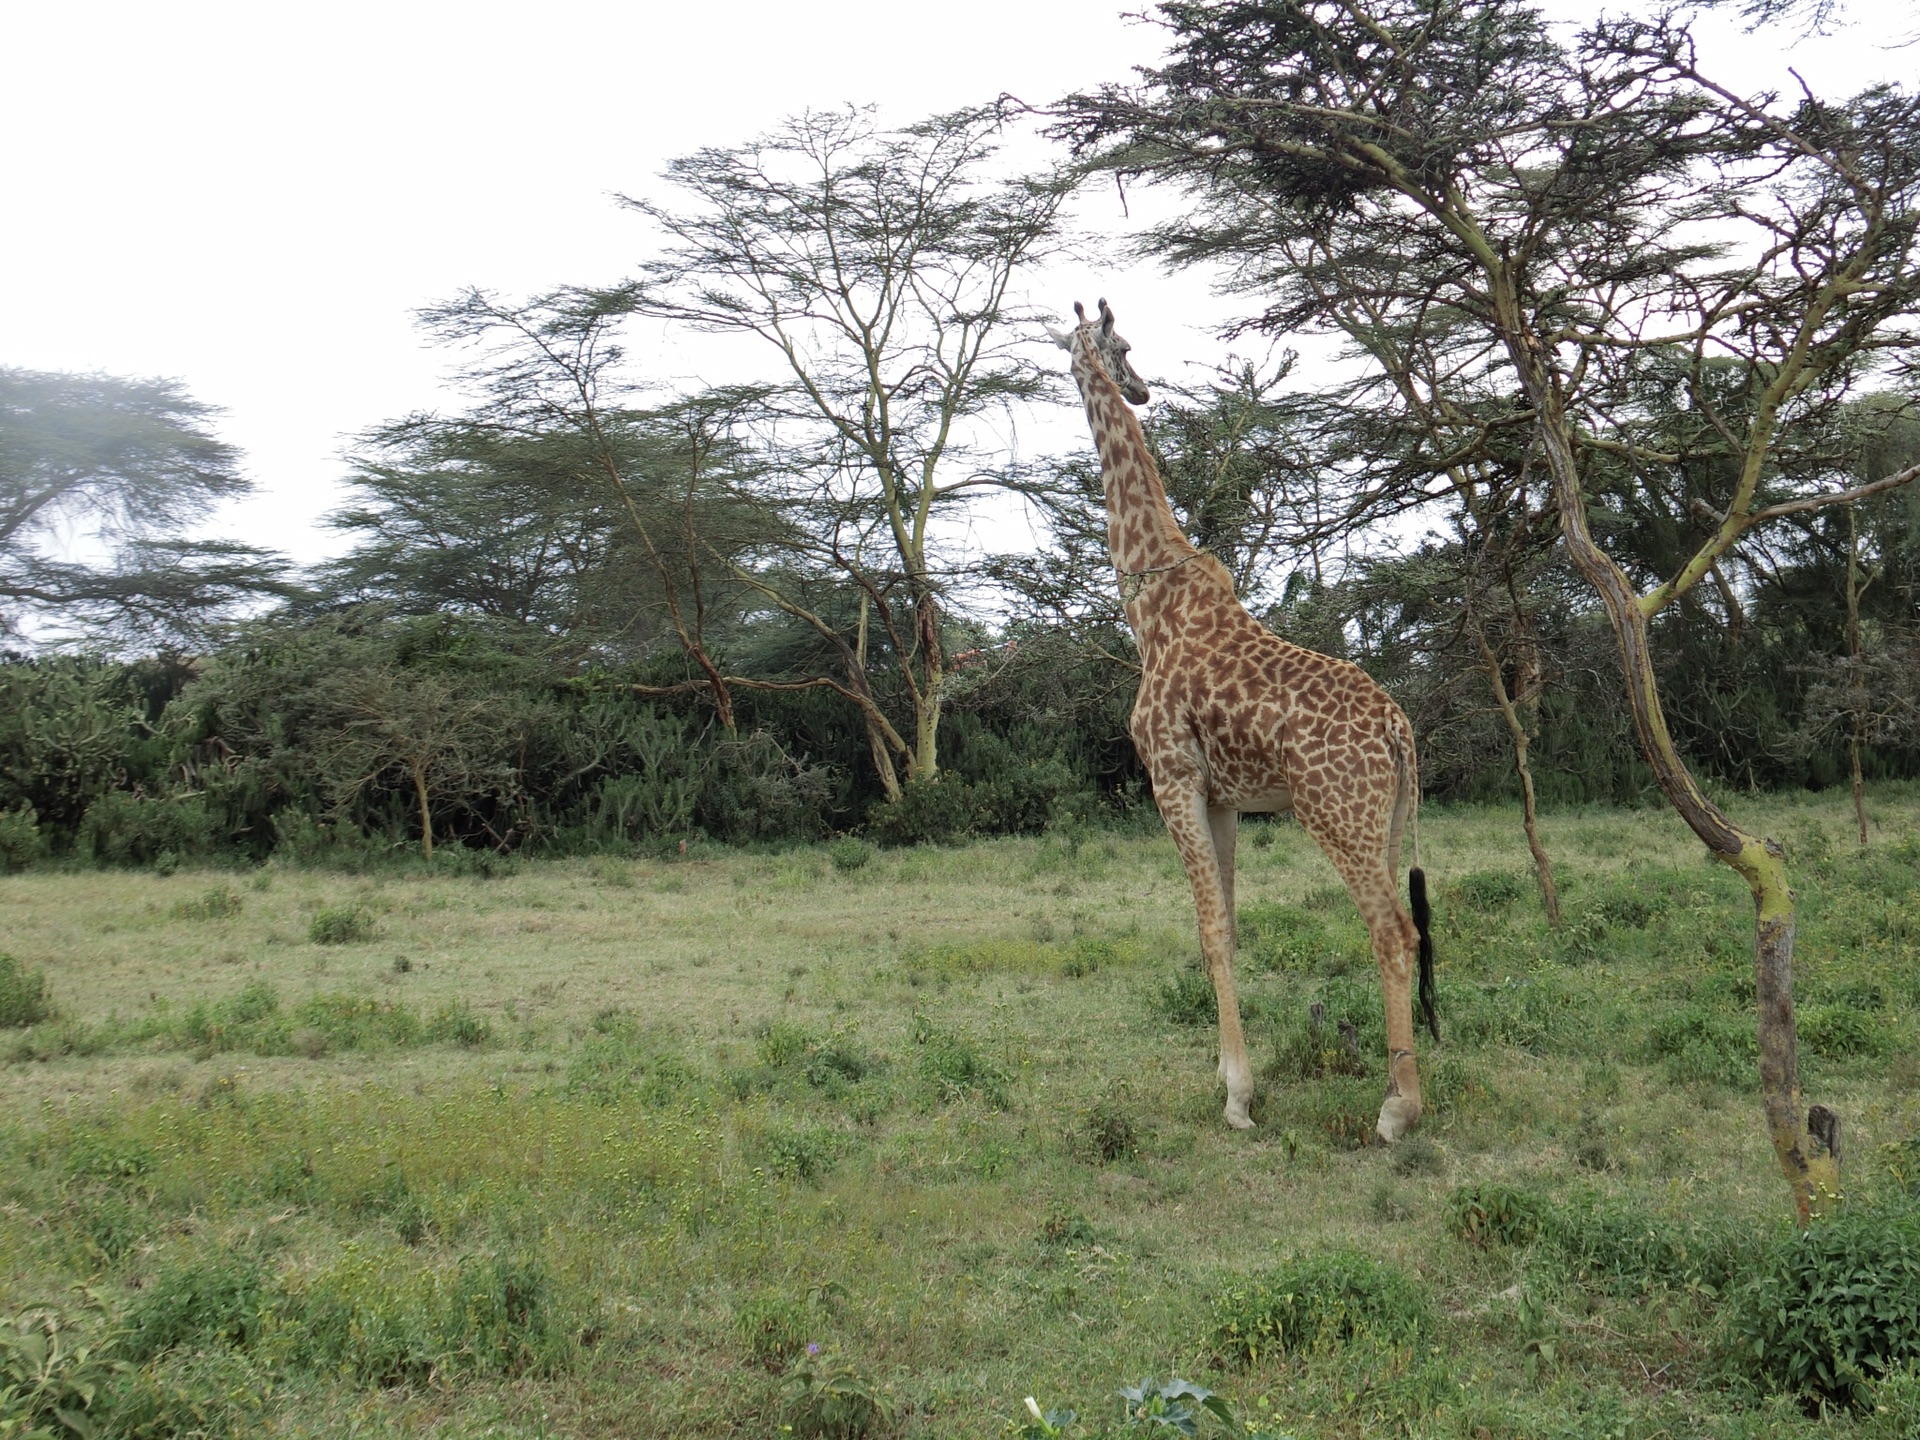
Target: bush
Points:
x,y
849,854
212,1300
341,925
125,828
1840,1032
456,1022
1699,1046
23,994
1835,1307
1617,1246
1320,1303
934,812
1489,1213
21,842
834,1402
1488,891
1106,1134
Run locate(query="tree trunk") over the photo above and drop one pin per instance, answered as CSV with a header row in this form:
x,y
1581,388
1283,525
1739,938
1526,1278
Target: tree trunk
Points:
x,y
1805,1144
426,813
1856,688
876,740
1543,868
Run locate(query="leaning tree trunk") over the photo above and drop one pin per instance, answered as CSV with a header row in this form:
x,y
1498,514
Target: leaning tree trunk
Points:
x,y
1805,1142
1522,742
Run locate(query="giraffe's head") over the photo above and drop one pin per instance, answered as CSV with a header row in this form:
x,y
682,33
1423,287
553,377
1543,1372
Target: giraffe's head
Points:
x,y
1102,340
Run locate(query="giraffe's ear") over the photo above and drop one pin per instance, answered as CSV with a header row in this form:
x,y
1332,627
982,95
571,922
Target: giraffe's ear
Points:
x,y
1062,338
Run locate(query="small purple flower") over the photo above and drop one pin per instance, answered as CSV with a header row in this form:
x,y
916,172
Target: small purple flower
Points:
x,y
813,1347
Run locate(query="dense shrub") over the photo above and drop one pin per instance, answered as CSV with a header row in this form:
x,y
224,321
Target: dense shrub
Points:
x,y
21,842
341,925
207,1300
23,994
1335,1299
1834,1307
126,828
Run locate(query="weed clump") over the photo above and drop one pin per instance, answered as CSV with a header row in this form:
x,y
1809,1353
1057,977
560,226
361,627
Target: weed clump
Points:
x,y
1187,998
210,1300
772,1328
1282,937
1487,1213
1107,1134
341,925
954,1066
222,902
23,994
1325,1301
1835,1307
1701,1047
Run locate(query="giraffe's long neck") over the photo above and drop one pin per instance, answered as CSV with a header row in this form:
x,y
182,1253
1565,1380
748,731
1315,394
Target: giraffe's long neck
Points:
x,y
1142,534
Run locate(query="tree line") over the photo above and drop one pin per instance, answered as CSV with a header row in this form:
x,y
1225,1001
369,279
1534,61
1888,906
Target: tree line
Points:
x,y
1570,276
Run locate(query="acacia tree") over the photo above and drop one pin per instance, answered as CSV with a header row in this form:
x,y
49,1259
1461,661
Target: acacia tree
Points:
x,y
127,465
877,267
1572,227
691,519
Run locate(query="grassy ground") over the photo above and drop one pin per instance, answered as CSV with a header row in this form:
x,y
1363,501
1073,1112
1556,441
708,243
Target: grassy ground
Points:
x,y
610,1147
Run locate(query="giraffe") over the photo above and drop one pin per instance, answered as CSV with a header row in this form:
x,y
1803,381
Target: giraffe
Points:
x,y
1230,718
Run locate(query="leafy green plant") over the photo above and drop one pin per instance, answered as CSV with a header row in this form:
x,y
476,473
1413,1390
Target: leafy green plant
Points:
x,y
23,994
1841,1032
341,925
53,1376
1177,1405
456,1023
1700,1046
1336,1298
1486,1213
1834,1307
829,1400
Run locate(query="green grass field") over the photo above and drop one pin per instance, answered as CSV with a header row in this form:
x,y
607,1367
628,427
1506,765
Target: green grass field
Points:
x,y
881,1143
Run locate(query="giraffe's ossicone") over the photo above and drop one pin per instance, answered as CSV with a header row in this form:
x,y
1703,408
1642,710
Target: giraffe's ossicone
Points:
x,y
1231,718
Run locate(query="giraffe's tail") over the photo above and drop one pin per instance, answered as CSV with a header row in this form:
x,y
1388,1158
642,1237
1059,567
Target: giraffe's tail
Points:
x,y
1423,922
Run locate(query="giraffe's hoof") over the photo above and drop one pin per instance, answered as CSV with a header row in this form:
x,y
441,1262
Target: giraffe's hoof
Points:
x,y
1237,1115
1397,1116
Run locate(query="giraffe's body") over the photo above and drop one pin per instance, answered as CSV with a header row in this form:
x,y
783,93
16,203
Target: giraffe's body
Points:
x,y
1232,718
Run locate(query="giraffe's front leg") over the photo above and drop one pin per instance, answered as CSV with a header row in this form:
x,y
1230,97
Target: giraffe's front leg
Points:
x,y
1205,842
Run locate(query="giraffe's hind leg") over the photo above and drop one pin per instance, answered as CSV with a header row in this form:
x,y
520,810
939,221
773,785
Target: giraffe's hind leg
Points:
x,y
1395,942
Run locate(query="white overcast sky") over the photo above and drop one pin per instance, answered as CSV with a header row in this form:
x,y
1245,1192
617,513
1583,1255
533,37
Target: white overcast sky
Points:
x,y
255,198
